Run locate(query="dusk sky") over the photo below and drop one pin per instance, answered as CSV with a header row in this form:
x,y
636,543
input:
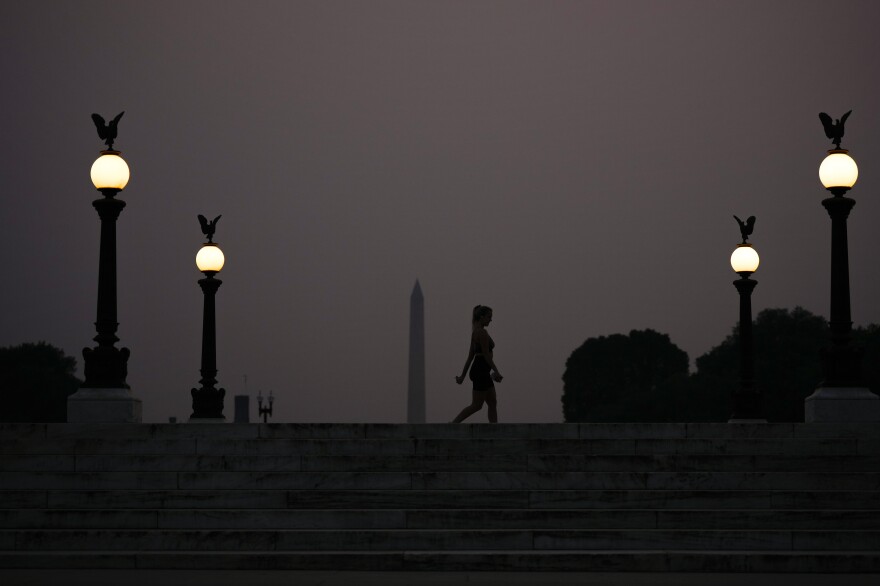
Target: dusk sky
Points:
x,y
573,165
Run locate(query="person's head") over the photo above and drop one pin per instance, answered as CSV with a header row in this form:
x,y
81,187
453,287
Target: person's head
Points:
x,y
482,313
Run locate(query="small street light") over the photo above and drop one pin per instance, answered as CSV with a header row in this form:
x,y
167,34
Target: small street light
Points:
x,y
745,261
265,412
208,400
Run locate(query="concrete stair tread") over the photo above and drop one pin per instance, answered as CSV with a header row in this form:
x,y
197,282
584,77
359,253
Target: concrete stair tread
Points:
x,y
469,552
817,481
442,430
409,499
442,540
453,560
822,446
440,463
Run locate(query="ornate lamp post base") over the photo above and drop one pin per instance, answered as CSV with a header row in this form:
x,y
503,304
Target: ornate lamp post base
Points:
x,y
104,396
842,405
103,405
208,405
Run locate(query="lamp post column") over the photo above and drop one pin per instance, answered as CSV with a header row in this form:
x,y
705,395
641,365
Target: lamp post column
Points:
x,y
746,401
106,366
841,361
208,400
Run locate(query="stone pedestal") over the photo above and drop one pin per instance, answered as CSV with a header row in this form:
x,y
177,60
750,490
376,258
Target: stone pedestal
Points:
x,y
842,405
90,405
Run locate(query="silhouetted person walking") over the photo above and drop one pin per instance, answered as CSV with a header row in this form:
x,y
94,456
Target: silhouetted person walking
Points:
x,y
483,371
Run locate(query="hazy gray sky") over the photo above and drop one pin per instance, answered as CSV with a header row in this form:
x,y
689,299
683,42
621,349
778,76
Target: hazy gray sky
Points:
x,y
574,165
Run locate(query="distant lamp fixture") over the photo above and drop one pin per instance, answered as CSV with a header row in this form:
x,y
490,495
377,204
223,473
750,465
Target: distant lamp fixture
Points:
x,y
745,261
210,258
208,400
265,412
838,171
110,171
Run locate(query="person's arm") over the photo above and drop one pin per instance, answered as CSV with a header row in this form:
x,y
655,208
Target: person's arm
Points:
x,y
486,345
467,364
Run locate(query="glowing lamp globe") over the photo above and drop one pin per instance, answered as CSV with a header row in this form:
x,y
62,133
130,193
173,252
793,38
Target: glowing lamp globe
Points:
x,y
744,259
210,259
110,172
838,170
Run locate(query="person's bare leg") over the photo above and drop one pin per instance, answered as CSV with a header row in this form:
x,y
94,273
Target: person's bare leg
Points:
x,y
476,405
492,403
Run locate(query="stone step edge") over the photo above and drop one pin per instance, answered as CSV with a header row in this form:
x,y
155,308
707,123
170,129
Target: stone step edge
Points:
x,y
706,526
389,499
642,533
596,560
819,539
419,510
477,429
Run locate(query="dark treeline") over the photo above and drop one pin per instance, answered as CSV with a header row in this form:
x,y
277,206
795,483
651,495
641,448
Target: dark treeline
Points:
x,y
644,377
639,377
35,381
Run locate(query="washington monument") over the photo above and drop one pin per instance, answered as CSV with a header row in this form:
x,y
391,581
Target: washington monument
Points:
x,y
415,406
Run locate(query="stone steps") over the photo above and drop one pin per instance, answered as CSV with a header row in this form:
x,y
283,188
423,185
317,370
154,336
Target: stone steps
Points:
x,y
442,499
645,497
439,463
42,431
430,540
817,481
440,519
462,561
440,447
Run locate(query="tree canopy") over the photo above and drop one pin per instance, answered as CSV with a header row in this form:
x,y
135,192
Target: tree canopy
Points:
x,y
619,378
35,381
788,369
640,377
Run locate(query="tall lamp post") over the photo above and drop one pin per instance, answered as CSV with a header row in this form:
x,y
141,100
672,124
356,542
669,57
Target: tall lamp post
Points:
x,y
208,400
841,396
104,395
745,261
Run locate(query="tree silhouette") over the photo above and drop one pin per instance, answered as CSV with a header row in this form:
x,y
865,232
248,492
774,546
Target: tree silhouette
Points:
x,y
643,376
622,378
868,340
788,369
35,381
